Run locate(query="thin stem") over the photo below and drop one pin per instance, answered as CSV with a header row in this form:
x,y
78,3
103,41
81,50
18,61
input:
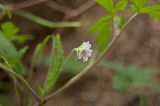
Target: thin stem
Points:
x,y
81,9
8,70
45,22
89,67
58,7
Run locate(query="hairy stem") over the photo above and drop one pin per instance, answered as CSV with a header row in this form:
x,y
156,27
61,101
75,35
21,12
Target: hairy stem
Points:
x,y
89,67
8,70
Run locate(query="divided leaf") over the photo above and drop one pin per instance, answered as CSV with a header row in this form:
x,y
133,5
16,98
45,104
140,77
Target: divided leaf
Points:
x,y
149,9
107,4
103,29
9,29
153,10
55,66
121,5
133,76
138,5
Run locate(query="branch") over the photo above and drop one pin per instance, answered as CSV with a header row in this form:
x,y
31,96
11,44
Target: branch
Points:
x,y
58,7
71,13
84,7
8,70
26,4
90,67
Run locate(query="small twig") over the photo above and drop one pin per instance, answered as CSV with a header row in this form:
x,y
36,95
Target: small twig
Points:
x,y
76,12
8,70
26,4
89,67
58,7
71,13
83,8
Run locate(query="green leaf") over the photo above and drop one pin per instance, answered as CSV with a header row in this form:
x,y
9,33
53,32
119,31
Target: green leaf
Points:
x,y
22,51
103,37
149,9
103,29
9,52
155,15
107,4
138,5
118,24
38,53
9,29
55,66
121,5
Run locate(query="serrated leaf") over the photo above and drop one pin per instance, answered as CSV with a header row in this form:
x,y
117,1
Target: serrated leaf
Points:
x,y
103,29
9,52
9,29
55,66
107,4
121,5
118,24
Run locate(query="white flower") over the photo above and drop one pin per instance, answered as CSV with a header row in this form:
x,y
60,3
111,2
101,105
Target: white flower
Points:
x,y
84,51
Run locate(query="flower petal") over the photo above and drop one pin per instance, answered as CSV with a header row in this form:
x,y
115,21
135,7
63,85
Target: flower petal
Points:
x,y
85,58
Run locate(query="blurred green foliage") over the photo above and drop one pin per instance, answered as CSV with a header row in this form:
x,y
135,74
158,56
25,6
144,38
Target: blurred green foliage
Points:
x,y
10,30
4,101
128,76
125,76
9,52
